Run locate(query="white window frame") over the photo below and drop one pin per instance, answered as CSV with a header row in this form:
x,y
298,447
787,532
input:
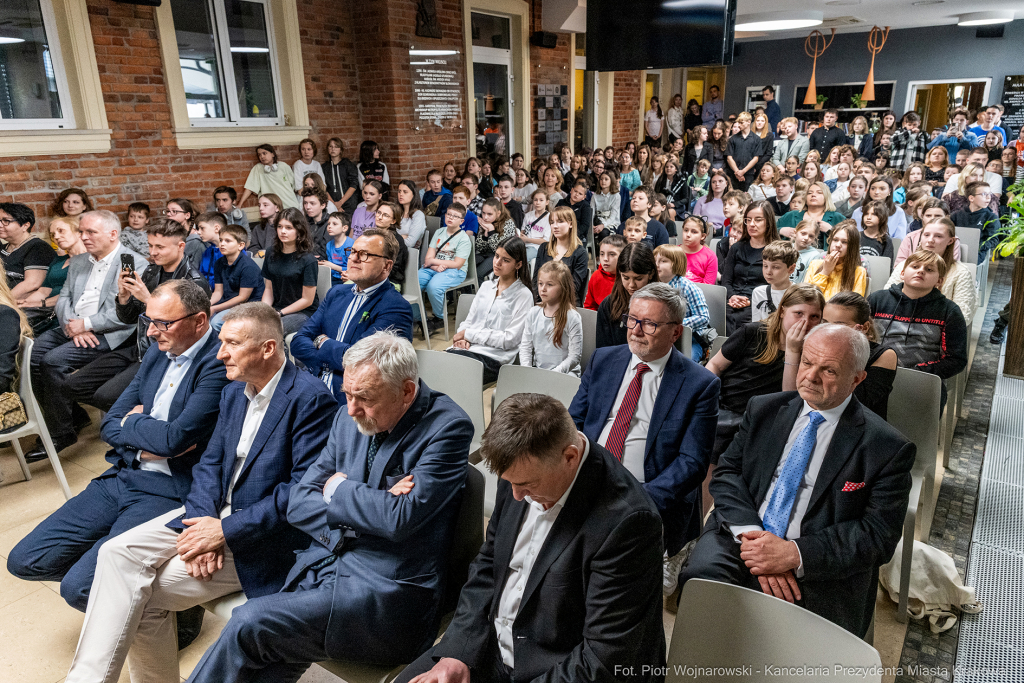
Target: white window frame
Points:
x,y
912,88
67,120
497,56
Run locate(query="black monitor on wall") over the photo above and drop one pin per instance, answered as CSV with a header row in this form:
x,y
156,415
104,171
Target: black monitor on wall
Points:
x,y
628,35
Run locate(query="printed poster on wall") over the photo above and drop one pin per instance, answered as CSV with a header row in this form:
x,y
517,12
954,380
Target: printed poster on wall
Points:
x,y
1013,103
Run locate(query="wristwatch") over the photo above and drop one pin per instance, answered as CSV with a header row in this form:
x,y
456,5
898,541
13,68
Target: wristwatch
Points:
x,y
319,341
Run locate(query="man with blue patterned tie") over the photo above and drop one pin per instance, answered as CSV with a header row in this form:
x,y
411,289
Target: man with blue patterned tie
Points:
x,y
811,495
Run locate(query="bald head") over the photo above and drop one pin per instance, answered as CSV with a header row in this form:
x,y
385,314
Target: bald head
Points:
x,y
831,365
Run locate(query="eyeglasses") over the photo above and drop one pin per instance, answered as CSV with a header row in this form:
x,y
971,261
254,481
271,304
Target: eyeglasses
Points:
x,y
361,256
7,221
648,326
162,325
171,212
984,194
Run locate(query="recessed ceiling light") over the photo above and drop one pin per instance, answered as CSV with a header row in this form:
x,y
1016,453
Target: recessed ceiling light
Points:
x,y
985,18
248,50
779,21
5,40
843,3
926,3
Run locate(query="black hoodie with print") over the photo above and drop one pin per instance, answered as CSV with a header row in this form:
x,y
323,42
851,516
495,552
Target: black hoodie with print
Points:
x,y
927,334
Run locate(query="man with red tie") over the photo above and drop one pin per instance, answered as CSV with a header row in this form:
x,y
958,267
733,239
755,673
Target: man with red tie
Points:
x,y
655,410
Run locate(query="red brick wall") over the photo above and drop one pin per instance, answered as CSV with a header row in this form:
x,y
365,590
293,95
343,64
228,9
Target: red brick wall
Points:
x,y
548,66
626,117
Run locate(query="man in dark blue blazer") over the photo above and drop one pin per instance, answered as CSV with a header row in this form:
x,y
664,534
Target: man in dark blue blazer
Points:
x,y
157,430
381,504
351,312
666,429
274,421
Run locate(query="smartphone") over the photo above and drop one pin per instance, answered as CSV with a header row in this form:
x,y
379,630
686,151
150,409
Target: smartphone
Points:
x,y
128,263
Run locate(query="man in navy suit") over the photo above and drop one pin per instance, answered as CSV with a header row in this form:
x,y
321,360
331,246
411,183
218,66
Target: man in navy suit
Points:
x,y
656,411
232,534
811,495
351,312
157,430
381,504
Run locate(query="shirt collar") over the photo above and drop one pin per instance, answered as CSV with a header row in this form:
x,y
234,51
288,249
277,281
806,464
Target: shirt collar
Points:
x,y
108,259
369,290
657,365
193,350
268,391
831,415
561,501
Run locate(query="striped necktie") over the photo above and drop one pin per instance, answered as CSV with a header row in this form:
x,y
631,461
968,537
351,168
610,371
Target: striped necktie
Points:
x,y
617,436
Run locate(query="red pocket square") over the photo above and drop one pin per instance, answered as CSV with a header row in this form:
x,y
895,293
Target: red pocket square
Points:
x,y
852,486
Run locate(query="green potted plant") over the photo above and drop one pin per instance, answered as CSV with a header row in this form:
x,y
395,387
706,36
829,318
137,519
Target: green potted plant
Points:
x,y
858,102
821,101
1012,245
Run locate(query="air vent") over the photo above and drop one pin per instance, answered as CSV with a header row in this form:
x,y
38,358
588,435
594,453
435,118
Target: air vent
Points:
x,y
839,22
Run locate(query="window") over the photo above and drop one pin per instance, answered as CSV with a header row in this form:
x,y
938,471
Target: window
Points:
x,y
228,61
33,93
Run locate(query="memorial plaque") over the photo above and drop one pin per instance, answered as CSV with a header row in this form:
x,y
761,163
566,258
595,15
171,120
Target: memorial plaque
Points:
x,y
437,89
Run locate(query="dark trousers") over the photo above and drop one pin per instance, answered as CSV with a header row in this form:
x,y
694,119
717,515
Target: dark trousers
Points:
x,y
741,185
54,358
735,318
484,266
491,366
716,557
103,380
1005,314
64,546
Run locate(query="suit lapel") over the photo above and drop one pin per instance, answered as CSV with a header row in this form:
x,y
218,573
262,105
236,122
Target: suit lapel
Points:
x,y
781,428
671,383
505,537
369,304
390,448
845,439
112,272
233,437
154,379
275,411
617,366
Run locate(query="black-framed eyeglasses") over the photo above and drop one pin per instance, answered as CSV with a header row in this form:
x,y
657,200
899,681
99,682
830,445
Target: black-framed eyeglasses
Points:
x,y
7,221
361,256
648,326
162,325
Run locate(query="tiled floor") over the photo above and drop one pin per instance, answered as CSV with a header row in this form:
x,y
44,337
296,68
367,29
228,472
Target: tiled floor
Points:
x,y
39,631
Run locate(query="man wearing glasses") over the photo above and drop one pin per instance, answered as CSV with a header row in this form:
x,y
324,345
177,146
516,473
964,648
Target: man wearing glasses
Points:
x,y
157,430
351,312
655,410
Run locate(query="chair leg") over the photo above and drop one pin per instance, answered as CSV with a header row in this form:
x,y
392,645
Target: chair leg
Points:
x,y
21,459
948,424
423,321
908,555
51,452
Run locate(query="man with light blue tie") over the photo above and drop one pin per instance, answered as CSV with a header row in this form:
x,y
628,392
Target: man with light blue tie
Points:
x,y
811,495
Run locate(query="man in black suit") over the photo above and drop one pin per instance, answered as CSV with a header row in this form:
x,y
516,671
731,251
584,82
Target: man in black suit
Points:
x,y
568,583
811,495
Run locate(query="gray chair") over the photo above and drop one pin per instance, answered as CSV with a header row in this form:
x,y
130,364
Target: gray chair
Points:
x,y
714,244
720,629
896,242
36,423
258,260
589,320
685,341
716,296
470,281
673,240
459,377
516,379
323,281
462,308
970,244
412,292
879,270
914,410
433,225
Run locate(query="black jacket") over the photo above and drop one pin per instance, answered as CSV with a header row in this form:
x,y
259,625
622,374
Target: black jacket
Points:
x,y
10,345
866,142
129,312
339,178
584,218
318,231
824,140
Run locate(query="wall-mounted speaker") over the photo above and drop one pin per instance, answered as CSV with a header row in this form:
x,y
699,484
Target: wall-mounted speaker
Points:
x,y
990,31
544,39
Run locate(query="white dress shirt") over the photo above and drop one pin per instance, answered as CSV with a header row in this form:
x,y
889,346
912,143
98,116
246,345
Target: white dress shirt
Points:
x,y
803,496
636,437
176,371
532,535
327,375
88,303
494,326
254,413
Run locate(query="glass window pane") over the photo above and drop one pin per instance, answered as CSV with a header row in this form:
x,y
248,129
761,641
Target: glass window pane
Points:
x,y
490,31
250,57
491,92
28,89
197,54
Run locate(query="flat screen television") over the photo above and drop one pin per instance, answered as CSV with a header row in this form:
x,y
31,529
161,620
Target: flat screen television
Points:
x,y
629,35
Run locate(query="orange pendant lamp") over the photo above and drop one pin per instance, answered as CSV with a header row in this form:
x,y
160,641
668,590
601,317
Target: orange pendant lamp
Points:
x,y
815,46
876,41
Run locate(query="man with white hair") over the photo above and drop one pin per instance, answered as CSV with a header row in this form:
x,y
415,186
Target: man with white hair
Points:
x,y
811,495
381,504
89,326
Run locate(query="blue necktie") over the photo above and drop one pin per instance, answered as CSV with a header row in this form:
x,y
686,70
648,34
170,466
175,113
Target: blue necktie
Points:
x,y
371,454
780,507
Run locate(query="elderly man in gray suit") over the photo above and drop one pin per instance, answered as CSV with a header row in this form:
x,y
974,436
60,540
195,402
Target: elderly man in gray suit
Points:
x,y
89,326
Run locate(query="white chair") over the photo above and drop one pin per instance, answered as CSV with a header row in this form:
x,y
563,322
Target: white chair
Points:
x,y
589,319
722,628
258,260
323,281
412,292
716,296
685,342
970,244
516,379
462,379
879,270
673,240
470,281
433,225
462,308
914,410
288,346
896,242
714,244
35,425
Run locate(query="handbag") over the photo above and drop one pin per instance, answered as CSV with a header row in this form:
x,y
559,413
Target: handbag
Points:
x,y
12,412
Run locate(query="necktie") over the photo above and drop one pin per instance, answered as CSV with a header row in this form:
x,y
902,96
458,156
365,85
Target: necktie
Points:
x,y
780,507
617,436
371,452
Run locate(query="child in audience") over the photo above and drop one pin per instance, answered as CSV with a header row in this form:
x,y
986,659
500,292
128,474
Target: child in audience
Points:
x,y
462,196
734,203
856,189
496,225
925,329
977,214
553,334
524,189
261,236
208,227
640,204
840,270
445,264
290,272
536,228
314,205
783,195
224,203
603,279
635,230
939,237
270,176
236,277
388,217
711,204
697,183
874,241
880,190
778,263
724,245
701,262
134,235
805,239
365,214
670,259
798,202
503,191
306,164
659,212
565,245
437,198
338,224
317,184
636,268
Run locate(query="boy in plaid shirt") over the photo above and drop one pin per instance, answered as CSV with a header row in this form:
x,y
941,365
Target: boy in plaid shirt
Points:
x,y
909,143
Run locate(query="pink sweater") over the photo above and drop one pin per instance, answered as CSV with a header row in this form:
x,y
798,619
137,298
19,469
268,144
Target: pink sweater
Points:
x,y
702,266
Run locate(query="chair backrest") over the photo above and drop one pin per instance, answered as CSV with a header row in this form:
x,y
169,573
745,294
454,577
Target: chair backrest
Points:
x,y
517,379
970,240
323,281
879,270
673,240
412,277
589,335
720,627
896,242
715,296
685,341
914,410
471,278
461,378
258,260
463,308
714,244
469,536
433,225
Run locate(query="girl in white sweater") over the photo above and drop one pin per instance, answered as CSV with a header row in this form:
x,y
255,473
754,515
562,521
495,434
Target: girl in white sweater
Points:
x,y
553,335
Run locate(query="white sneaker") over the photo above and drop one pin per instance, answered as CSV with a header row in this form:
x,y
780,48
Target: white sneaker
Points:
x,y
670,571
